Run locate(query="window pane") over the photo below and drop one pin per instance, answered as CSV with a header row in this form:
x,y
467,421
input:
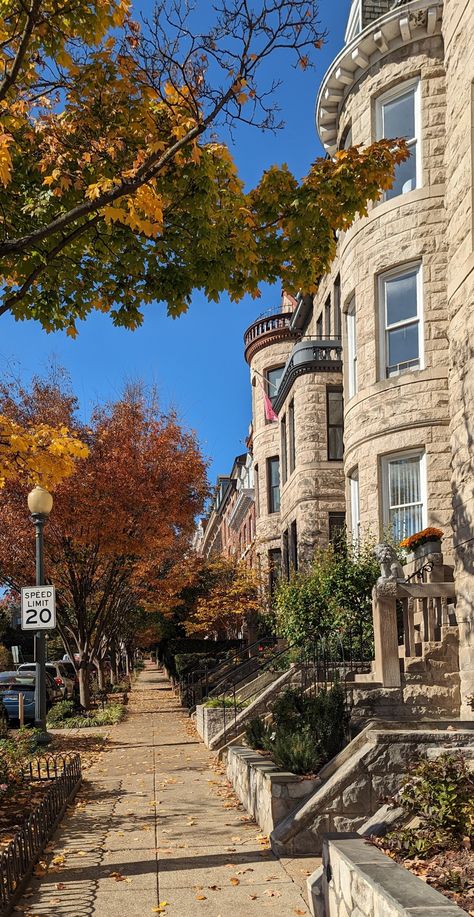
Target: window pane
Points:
x,y
401,297
405,176
273,381
335,408
399,116
406,521
403,347
404,481
336,443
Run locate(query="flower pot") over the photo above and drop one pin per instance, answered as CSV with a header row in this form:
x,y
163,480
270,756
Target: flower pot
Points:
x,y
429,547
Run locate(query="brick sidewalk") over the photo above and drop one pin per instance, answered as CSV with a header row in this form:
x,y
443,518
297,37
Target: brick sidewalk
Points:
x,y
155,823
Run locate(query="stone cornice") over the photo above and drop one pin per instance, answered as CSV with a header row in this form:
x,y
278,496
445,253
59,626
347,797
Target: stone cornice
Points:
x,y
399,27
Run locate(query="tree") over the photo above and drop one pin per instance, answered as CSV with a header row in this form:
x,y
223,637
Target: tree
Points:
x,y
38,454
331,601
228,595
120,524
116,188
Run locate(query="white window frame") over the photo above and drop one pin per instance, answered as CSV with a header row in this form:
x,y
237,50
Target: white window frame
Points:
x,y
355,504
354,25
351,332
400,271
396,457
396,92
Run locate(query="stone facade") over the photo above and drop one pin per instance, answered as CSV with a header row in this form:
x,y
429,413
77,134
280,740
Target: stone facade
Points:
x,y
458,31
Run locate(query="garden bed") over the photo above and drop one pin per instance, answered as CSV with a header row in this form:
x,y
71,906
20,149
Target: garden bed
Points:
x,y
64,716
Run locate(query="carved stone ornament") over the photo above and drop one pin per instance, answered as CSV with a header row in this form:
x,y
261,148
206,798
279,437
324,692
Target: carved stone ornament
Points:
x,y
391,570
385,589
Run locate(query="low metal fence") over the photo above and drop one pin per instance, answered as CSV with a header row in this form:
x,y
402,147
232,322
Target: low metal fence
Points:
x,y
17,860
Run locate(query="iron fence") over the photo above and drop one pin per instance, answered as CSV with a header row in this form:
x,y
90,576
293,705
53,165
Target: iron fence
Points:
x,y
203,680
63,773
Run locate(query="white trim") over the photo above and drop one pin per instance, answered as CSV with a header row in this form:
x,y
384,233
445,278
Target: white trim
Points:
x,y
354,24
396,92
355,504
385,461
400,271
351,336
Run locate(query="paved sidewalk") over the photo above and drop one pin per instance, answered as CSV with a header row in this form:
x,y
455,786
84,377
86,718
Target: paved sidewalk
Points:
x,y
156,822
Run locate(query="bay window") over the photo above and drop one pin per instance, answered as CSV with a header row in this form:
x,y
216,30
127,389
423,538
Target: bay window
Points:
x,y
400,294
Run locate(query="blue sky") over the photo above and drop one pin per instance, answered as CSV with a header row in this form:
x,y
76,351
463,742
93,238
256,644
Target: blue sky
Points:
x,y
196,361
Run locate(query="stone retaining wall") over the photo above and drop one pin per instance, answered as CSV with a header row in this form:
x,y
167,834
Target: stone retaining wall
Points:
x,y
371,768
360,881
210,721
267,792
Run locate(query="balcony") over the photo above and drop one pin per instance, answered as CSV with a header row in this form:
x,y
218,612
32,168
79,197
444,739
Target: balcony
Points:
x,y
242,506
266,330
313,355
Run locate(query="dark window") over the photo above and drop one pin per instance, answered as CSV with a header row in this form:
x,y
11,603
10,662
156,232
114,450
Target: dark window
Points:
x,y
273,379
286,554
293,546
291,433
283,450
273,484
327,317
335,424
337,307
337,527
319,326
274,568
257,491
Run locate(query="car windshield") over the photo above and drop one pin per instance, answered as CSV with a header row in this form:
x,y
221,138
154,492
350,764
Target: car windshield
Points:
x,y
27,667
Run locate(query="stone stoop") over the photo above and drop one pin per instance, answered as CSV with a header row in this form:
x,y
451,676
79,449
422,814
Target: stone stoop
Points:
x,y
370,769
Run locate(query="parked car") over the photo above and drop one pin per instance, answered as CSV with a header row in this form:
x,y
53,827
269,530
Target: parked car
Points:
x,y
14,683
60,675
70,676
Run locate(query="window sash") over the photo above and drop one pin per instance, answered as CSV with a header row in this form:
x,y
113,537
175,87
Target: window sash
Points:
x,y
292,435
273,378
412,321
273,471
405,493
335,429
284,453
410,170
355,505
352,349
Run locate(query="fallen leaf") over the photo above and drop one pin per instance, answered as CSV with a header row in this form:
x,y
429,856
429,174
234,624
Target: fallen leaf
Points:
x,y
234,881
201,898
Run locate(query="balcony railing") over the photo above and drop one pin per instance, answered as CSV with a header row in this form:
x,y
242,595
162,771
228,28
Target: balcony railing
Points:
x,y
313,355
266,329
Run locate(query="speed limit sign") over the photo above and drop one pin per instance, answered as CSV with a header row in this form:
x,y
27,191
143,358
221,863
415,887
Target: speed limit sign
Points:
x,y
38,607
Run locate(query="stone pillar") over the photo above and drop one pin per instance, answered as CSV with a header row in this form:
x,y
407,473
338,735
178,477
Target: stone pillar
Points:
x,y
384,610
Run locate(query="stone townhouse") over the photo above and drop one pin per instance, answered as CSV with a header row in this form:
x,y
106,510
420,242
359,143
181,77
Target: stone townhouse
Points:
x,y
229,527
373,380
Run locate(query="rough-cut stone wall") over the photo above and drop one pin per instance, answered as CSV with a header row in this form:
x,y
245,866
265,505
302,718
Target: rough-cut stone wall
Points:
x,y
458,28
316,486
410,410
360,881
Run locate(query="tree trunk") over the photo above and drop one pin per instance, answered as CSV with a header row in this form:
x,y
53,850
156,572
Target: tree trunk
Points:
x,y
84,686
113,663
100,674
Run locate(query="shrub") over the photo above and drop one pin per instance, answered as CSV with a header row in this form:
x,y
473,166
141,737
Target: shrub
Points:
x,y
186,662
305,732
257,733
440,795
63,710
109,716
217,702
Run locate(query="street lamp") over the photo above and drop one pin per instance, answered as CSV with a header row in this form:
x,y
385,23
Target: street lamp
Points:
x,y
40,504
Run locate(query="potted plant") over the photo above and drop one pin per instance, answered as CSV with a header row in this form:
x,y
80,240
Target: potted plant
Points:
x,y
428,541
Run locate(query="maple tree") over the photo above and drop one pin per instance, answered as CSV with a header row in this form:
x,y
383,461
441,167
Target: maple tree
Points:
x,y
116,185
228,594
121,522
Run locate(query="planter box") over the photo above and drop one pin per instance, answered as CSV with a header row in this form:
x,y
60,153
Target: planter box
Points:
x,y
356,878
430,547
268,793
211,720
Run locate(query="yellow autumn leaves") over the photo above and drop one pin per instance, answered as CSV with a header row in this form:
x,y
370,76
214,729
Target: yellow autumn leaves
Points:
x,y
39,455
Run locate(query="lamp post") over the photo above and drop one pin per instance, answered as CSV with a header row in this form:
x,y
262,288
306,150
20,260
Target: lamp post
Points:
x,y
40,504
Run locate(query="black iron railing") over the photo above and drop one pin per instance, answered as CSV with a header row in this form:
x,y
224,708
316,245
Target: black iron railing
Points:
x,y
17,860
196,685
317,665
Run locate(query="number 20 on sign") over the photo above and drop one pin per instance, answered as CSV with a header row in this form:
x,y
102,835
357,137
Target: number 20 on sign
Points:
x,y
38,607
